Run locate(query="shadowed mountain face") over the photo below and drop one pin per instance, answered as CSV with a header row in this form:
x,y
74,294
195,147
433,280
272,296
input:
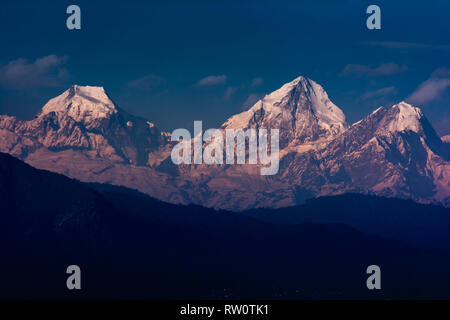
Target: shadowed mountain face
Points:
x,y
129,245
392,152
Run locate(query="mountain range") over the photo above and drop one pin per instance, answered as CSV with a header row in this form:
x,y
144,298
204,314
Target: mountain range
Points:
x,y
392,152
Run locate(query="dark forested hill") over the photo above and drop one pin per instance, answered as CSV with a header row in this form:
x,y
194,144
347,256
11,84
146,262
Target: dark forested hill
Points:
x,y
129,245
424,226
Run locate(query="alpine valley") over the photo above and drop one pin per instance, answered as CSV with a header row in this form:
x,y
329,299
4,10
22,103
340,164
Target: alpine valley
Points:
x,y
393,152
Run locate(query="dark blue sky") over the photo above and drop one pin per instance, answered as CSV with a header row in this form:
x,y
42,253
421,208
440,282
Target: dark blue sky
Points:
x,y
151,56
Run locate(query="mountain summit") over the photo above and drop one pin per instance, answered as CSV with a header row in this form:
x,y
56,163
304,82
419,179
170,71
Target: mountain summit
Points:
x,y
301,110
407,117
83,118
82,103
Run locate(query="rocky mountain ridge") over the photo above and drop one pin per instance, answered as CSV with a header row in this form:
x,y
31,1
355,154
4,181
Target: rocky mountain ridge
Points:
x,y
392,152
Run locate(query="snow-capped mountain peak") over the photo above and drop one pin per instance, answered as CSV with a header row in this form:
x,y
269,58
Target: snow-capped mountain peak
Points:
x,y
82,103
84,118
406,118
300,107
322,106
285,90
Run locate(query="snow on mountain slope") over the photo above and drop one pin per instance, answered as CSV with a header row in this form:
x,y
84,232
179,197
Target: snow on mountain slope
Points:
x,y
394,152
407,118
446,139
301,110
82,104
84,118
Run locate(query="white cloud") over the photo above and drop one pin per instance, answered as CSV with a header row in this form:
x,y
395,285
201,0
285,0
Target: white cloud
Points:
x,y
385,69
441,73
432,88
429,90
229,92
44,72
380,93
147,82
211,81
407,45
256,82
